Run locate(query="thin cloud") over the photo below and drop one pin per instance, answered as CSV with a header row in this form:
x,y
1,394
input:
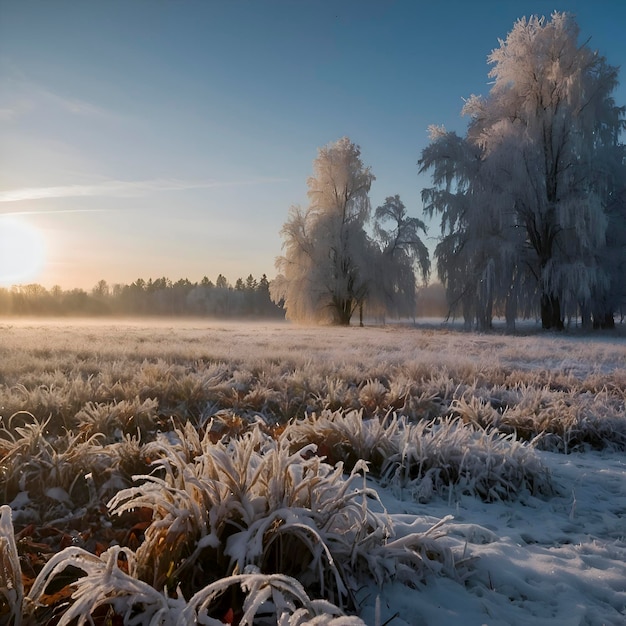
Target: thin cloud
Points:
x,y
77,106
22,94
8,114
123,188
55,211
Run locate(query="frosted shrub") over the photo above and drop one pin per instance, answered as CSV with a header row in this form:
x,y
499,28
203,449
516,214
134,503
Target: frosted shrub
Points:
x,y
224,507
401,395
116,419
28,458
427,457
334,394
110,582
558,420
251,502
263,399
600,422
372,396
57,402
475,411
441,385
444,454
128,458
187,393
51,472
346,437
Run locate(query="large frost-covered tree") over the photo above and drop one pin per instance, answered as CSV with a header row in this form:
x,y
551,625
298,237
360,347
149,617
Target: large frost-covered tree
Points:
x,y
331,266
323,275
478,249
523,196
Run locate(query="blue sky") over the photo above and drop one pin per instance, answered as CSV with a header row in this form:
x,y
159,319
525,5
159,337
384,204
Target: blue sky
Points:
x,y
169,138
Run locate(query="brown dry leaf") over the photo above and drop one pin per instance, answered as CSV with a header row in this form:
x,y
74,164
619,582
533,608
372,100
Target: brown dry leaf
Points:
x,y
53,599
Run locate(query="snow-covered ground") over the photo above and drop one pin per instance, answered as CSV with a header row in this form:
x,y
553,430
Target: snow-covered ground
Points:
x,y
560,561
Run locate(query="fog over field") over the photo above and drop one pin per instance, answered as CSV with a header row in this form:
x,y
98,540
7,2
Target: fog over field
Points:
x,y
213,472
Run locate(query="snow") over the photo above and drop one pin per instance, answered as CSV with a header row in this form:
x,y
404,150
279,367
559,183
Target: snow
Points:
x,y
559,561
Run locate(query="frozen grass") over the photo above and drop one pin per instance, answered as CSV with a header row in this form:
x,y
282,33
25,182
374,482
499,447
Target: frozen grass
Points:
x,y
109,588
11,586
198,474
569,391
222,508
432,456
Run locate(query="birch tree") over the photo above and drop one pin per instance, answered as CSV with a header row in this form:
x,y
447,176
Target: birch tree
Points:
x,y
323,274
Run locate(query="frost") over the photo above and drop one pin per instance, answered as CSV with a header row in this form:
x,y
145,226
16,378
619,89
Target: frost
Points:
x,y
11,587
527,197
58,494
341,511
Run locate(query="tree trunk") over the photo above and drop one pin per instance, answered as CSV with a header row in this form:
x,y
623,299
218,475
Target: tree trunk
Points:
x,y
343,311
585,316
551,313
510,310
609,320
468,315
604,321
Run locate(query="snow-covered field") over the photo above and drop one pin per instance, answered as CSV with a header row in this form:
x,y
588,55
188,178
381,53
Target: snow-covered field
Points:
x,y
558,561
516,442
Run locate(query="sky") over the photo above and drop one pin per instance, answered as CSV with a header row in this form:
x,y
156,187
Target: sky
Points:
x,y
152,138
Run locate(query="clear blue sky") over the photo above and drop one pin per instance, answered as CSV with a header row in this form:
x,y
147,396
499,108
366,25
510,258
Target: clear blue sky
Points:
x,y
148,138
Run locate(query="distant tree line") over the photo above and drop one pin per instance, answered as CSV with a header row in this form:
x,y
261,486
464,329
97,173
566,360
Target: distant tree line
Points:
x,y
248,298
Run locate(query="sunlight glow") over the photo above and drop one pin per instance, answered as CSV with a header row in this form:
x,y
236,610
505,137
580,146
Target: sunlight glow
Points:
x,y
22,251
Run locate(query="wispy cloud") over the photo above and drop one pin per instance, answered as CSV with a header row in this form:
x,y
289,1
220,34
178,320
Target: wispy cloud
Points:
x,y
76,106
123,188
21,94
54,212
8,114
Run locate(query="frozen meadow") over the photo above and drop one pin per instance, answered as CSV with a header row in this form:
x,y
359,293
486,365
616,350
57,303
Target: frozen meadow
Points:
x,y
208,472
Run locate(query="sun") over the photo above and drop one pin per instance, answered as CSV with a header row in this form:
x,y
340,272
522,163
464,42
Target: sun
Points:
x,y
22,251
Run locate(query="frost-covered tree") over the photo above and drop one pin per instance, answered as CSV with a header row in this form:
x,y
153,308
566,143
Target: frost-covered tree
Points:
x,y
323,274
401,255
454,164
331,266
533,173
612,256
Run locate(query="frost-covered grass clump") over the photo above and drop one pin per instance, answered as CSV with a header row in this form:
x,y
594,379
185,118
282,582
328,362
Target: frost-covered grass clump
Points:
x,y
429,457
164,475
251,502
242,529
